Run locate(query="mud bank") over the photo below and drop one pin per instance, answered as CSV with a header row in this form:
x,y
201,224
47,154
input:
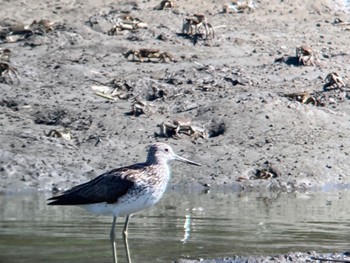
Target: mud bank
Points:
x,y
237,88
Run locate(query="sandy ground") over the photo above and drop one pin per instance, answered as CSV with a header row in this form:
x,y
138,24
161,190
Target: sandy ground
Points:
x,y
235,87
230,86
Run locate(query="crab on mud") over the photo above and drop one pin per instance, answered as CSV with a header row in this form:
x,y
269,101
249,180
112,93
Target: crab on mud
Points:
x,y
64,134
6,71
305,55
126,22
197,24
268,171
264,174
5,55
140,107
238,6
147,53
179,126
305,98
42,26
18,32
165,4
333,79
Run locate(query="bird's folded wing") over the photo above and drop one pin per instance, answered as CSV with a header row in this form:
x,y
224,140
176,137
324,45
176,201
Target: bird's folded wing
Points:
x,y
107,187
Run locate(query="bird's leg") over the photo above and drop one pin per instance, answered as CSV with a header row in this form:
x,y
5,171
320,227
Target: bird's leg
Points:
x,y
125,237
112,235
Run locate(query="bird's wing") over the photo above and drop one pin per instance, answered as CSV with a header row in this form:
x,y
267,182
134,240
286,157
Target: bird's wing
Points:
x,y
107,187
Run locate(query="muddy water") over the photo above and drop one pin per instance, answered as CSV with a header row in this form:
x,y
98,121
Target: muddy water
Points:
x,y
184,224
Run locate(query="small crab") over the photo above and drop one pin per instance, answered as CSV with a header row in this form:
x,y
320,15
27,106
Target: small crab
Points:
x,y
305,98
121,26
165,4
305,55
239,6
333,79
64,134
42,26
7,70
148,53
173,128
126,22
267,172
5,55
264,174
197,24
139,107
17,32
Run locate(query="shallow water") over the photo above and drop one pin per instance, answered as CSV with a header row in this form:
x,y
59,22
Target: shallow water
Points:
x,y
183,224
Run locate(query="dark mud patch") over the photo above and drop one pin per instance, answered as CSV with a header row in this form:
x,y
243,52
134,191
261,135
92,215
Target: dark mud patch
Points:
x,y
311,257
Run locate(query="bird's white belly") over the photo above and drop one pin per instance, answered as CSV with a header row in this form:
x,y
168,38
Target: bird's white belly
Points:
x,y
126,205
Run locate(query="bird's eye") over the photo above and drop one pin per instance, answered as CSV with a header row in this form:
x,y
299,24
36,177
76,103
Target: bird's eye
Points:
x,y
166,149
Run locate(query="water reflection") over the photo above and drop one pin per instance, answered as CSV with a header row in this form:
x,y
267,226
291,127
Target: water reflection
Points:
x,y
187,228
183,225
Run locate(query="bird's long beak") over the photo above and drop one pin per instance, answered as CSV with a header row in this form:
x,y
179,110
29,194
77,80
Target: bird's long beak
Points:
x,y
184,160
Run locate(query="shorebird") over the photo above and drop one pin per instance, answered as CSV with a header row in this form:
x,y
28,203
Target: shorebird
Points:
x,y
126,190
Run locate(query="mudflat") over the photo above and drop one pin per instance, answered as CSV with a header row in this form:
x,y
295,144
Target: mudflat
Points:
x,y
242,103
